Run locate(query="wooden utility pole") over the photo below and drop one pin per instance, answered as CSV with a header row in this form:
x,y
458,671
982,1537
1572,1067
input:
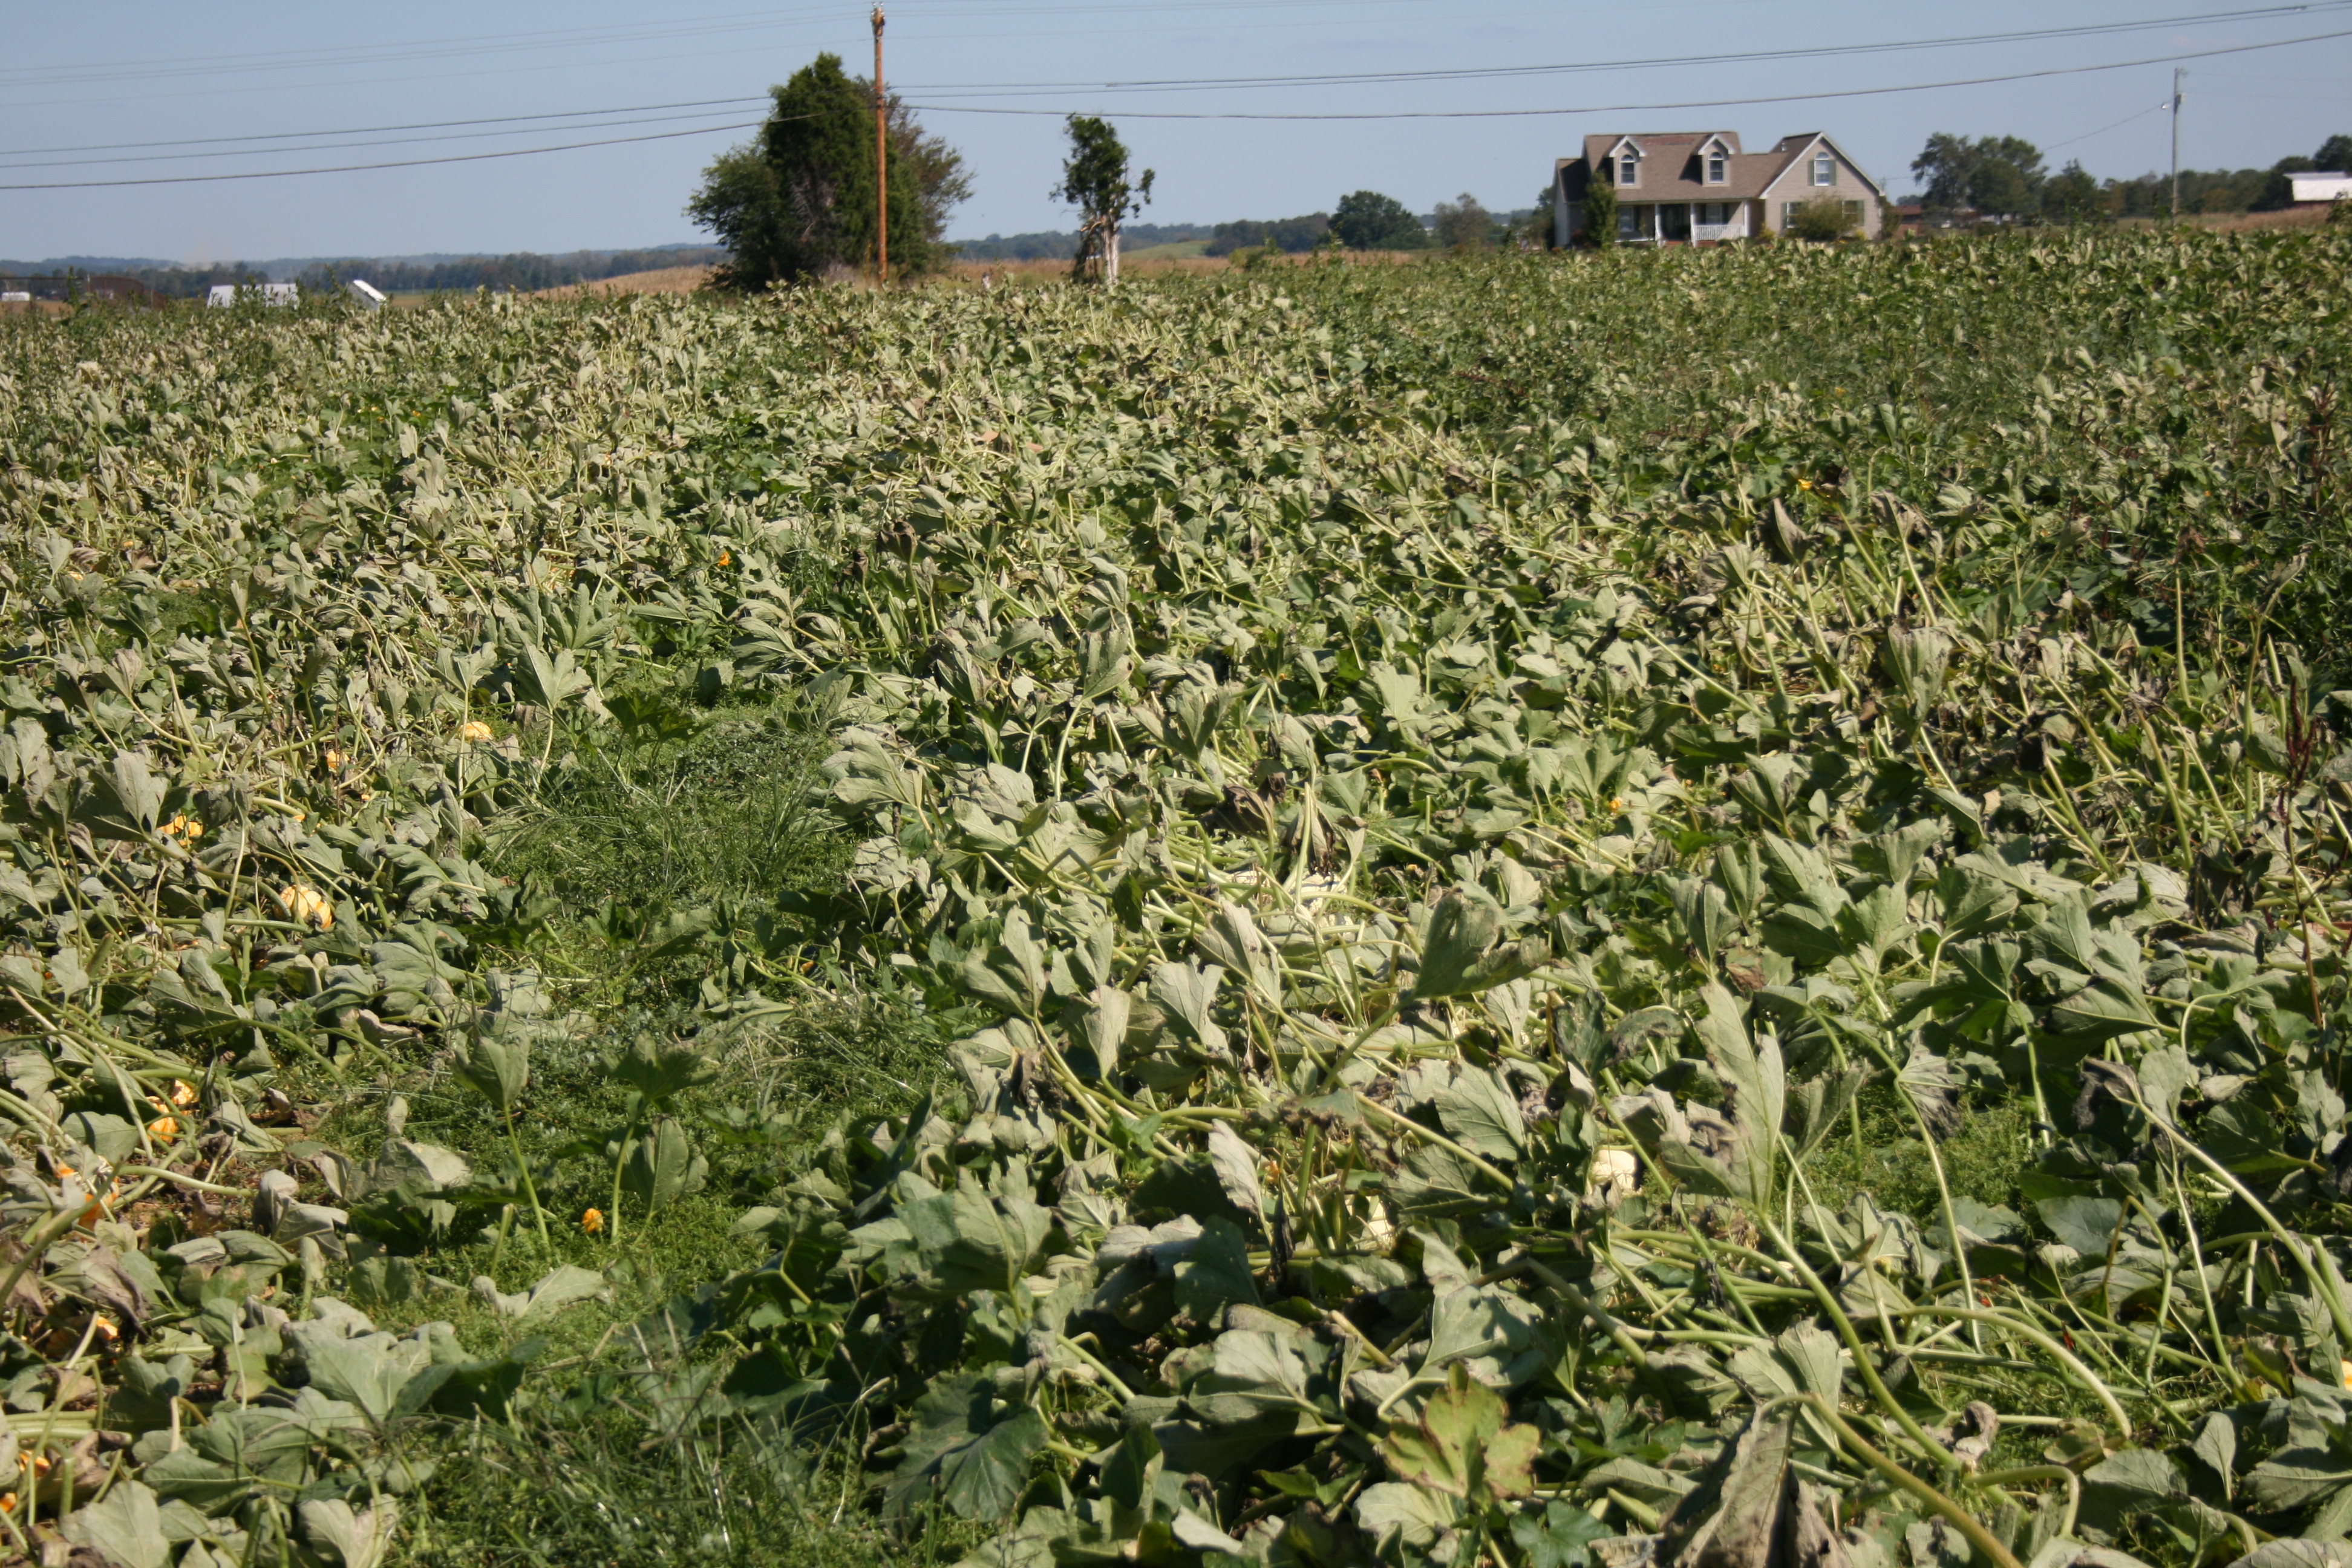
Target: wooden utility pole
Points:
x,y
882,158
2178,72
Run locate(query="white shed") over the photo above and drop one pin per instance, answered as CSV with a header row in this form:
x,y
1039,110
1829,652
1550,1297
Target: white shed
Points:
x,y
2321,187
370,295
228,294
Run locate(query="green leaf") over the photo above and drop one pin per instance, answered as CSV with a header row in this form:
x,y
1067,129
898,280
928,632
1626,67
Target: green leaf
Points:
x,y
1460,955
1481,1114
1186,992
497,1066
1131,1476
1231,938
1461,929
969,1240
966,1450
1012,975
1559,1537
1097,1023
549,682
2294,1477
351,1539
2217,1445
662,1165
1752,1072
1255,1375
1733,1518
2086,1225
124,1527
1400,1514
661,1070
1463,1447
138,790
1236,1166
1702,916
1216,1273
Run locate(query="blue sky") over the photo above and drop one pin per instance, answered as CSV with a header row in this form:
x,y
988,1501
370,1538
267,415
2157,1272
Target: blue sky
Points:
x,y
76,85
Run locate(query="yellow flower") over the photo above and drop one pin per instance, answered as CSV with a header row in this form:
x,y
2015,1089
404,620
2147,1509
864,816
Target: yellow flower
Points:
x,y
335,759
165,1130
106,1328
593,1222
1804,484
727,558
183,1093
473,730
307,905
1616,802
182,827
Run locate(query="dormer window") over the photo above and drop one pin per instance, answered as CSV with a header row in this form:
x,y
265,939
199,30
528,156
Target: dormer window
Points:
x,y
1629,167
1824,169
1717,165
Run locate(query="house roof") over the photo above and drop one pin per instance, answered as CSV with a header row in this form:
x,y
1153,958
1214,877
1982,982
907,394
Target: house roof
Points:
x,y
1670,169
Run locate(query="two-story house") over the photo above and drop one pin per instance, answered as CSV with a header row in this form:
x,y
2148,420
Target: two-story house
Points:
x,y
1697,186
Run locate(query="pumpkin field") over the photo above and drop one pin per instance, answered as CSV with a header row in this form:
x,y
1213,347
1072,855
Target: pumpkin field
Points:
x,y
1551,912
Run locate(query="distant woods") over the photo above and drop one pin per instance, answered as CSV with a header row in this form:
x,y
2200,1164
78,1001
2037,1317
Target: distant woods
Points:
x,y
522,273
800,200
2004,177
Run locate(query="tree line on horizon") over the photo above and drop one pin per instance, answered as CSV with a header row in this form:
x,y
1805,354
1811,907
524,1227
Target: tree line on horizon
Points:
x,y
522,271
800,201
2004,176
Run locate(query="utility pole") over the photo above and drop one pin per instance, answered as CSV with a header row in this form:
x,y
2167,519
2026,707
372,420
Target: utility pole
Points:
x,y
2178,73
882,158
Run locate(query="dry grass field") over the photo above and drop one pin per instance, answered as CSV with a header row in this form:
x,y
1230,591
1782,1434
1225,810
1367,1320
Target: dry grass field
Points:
x,y
661,280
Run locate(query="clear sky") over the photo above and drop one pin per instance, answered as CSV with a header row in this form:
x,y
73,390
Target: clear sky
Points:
x,y
74,86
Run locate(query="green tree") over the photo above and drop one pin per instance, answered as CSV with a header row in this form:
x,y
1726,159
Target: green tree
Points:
x,y
1465,225
1600,230
1991,173
1367,220
1998,187
800,199
1095,181
2073,196
2334,156
2278,185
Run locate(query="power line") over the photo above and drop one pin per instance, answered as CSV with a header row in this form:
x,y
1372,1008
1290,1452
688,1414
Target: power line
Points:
x,y
1147,114
1643,107
2102,131
98,71
401,163
330,146
1206,82
1473,73
422,50
413,125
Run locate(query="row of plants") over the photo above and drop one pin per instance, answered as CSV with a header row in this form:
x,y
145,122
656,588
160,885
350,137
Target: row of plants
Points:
x,y
1659,910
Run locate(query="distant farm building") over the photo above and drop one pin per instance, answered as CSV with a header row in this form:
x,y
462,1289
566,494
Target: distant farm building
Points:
x,y
370,295
2320,190
228,294
68,288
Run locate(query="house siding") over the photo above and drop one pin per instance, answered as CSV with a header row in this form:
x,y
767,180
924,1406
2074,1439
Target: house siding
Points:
x,y
1796,185
1757,186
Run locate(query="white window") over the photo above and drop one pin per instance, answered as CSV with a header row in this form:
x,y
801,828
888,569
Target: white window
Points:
x,y
1715,167
1824,169
1789,211
1629,168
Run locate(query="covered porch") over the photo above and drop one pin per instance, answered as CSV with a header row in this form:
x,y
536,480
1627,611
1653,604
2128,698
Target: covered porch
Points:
x,y
1681,223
